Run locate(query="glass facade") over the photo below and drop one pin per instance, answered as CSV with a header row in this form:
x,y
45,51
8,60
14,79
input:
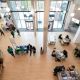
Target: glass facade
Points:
x,y
22,13
57,14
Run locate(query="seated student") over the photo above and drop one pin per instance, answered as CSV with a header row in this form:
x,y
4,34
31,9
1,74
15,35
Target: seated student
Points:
x,y
10,50
71,68
53,53
65,53
60,36
68,38
58,69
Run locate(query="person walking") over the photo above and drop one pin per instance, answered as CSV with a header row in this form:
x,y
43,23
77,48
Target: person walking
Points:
x,y
18,32
30,51
1,59
2,33
12,33
41,50
10,50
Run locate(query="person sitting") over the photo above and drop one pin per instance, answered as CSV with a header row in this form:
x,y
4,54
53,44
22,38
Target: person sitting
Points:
x,y
77,52
67,38
53,53
65,53
71,68
58,69
60,36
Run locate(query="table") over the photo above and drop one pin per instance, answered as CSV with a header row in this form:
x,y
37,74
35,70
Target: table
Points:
x,y
60,55
65,40
68,75
52,40
21,49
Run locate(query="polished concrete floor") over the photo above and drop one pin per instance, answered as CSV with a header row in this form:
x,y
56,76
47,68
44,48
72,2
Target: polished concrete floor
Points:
x,y
38,67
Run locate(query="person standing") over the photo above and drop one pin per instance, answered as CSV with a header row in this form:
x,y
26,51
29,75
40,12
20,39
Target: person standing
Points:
x,y
34,50
41,50
2,33
18,32
30,51
10,50
1,59
12,33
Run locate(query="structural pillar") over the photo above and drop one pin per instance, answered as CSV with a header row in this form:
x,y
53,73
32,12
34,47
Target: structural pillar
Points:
x,y
46,18
68,16
34,14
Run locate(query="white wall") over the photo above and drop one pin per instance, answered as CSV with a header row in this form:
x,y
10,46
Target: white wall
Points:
x,y
77,36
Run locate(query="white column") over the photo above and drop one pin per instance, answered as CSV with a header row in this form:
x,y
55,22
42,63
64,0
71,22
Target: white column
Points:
x,y
77,36
68,16
46,18
34,5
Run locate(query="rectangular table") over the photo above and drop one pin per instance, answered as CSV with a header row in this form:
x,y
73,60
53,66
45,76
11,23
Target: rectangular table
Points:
x,y
67,76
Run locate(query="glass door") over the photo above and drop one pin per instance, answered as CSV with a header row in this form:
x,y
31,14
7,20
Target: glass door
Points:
x,y
29,25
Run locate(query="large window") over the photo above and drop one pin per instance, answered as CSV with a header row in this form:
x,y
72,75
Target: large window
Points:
x,y
22,19
24,5
22,12
57,14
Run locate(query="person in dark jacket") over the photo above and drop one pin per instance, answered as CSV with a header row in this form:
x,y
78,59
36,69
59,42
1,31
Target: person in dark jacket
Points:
x,y
10,50
65,53
60,36
18,32
34,50
2,33
30,48
12,33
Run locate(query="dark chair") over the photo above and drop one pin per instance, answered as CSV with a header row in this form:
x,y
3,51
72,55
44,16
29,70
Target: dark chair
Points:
x,y
65,53
58,69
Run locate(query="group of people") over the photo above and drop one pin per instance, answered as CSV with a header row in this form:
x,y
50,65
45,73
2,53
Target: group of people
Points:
x,y
10,27
77,52
59,55
29,49
65,40
58,69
